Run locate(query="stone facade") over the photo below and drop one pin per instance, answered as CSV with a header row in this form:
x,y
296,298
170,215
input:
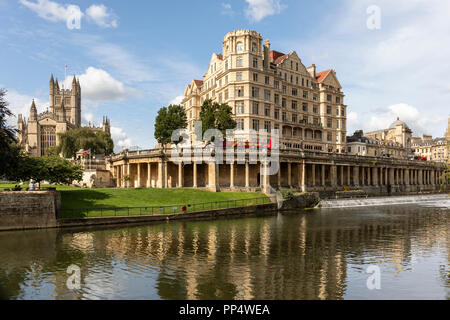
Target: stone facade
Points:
x,y
393,142
432,149
267,89
41,131
437,149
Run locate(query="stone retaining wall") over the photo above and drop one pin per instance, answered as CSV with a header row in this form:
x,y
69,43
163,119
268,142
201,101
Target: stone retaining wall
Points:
x,y
249,211
29,209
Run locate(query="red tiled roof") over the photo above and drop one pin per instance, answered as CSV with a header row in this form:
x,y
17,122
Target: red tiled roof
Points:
x,y
275,55
199,83
321,75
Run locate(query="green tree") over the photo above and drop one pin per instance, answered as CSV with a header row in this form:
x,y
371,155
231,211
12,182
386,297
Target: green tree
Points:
x,y
169,119
216,116
53,169
9,151
99,142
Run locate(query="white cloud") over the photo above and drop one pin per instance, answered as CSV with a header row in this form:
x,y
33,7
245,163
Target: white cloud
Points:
x,y
97,85
259,9
120,139
88,116
126,64
72,14
102,16
382,118
176,100
21,103
53,11
406,60
227,9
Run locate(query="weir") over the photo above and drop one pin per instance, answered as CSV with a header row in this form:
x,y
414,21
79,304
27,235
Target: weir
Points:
x,y
384,201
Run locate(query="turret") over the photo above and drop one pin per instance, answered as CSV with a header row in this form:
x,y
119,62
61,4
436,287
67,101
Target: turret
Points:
x,y
51,87
106,125
33,112
242,41
267,54
74,85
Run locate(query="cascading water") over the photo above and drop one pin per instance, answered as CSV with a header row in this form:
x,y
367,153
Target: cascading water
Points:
x,y
443,199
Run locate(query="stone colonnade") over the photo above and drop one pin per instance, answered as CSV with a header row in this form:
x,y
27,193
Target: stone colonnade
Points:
x,y
295,172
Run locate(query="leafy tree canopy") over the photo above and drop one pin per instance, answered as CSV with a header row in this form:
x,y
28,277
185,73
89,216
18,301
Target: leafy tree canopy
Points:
x,y
99,142
53,169
216,116
169,119
8,149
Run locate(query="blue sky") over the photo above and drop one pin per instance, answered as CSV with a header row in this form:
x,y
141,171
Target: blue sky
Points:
x,y
135,56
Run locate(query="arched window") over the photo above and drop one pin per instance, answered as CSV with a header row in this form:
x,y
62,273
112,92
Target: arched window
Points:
x,y
239,47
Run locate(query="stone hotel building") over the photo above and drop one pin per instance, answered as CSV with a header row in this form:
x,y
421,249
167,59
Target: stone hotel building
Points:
x,y
270,90
267,89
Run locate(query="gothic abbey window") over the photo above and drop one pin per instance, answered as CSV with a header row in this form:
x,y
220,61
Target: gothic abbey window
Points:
x,y
48,138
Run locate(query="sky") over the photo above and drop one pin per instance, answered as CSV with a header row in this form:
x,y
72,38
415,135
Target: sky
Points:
x,y
134,57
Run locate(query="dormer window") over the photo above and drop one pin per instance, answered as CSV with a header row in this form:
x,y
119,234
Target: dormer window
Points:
x,y
239,47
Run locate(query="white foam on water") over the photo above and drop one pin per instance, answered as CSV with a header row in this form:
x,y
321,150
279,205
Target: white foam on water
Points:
x,y
433,200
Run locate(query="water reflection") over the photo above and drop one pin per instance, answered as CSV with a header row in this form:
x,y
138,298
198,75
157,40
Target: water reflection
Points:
x,y
297,255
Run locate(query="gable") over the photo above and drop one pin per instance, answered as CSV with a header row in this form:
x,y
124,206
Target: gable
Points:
x,y
330,79
285,63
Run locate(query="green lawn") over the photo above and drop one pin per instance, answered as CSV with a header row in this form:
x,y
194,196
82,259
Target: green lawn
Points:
x,y
82,202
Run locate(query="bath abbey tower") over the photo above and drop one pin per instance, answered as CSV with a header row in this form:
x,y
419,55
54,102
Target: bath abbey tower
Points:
x,y
64,113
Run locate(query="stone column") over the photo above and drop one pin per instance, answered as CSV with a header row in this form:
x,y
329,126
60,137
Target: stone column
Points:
x,y
391,176
348,176
149,175
356,175
265,178
313,166
138,175
180,175
375,176
161,178
342,175
303,181
368,176
129,174
386,177
194,173
420,177
119,176
231,175
334,175
322,180
247,177
279,176
124,173
407,182
363,176
289,175
213,181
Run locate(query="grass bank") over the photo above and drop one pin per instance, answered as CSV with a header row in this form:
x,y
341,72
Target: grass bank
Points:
x,y
82,202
